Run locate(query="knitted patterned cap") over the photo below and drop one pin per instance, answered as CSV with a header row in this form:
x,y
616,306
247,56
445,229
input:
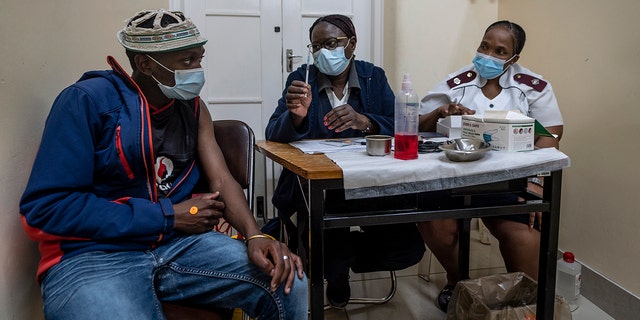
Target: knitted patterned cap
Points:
x,y
159,31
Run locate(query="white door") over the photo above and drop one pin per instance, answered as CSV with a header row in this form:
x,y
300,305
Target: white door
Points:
x,y
246,57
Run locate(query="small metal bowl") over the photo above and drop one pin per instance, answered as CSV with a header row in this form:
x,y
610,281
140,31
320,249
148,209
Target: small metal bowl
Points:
x,y
378,145
464,149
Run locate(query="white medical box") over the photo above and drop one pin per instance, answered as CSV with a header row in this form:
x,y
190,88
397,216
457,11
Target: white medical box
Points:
x,y
504,130
450,127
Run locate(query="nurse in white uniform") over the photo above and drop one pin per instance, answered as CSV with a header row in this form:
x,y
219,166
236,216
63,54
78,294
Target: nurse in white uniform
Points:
x,y
494,81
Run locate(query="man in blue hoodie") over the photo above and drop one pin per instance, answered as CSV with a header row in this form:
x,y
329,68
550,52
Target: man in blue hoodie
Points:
x,y
110,194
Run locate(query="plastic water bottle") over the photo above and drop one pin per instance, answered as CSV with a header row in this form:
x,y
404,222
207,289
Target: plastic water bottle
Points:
x,y
568,279
406,122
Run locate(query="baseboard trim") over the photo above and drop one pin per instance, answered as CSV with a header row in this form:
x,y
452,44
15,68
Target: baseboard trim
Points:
x,y
610,297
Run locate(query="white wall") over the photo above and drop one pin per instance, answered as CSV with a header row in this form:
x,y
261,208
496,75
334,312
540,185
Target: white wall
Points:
x,y
590,51
429,39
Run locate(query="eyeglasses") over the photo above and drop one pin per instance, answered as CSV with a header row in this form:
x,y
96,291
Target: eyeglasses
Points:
x,y
328,44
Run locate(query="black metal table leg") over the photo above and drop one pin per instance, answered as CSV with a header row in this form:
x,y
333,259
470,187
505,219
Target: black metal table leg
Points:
x,y
464,246
549,247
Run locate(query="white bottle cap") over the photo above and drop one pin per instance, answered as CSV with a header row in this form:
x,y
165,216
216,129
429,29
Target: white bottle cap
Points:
x,y
406,82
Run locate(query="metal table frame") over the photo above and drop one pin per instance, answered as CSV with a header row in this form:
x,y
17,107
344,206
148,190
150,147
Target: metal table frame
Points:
x,y
325,179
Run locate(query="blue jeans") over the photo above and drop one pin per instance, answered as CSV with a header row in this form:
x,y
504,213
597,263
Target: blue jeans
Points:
x,y
208,269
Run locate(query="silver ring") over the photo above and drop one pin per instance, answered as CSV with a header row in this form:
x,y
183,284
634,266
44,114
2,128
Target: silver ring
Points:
x,y
285,257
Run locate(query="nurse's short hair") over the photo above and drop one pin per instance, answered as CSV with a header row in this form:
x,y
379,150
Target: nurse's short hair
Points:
x,y
519,36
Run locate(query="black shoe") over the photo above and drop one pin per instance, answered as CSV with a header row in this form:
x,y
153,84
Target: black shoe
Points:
x,y
445,296
338,291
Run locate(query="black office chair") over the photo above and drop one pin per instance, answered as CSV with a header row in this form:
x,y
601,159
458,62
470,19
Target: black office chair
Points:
x,y
236,140
390,248
386,248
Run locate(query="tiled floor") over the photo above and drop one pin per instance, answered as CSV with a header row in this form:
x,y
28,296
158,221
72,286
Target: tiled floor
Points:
x,y
415,300
415,297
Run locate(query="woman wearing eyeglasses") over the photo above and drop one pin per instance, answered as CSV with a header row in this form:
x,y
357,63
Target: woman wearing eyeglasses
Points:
x,y
343,98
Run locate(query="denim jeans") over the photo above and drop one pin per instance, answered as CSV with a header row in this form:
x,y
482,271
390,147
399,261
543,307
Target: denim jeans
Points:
x,y
208,269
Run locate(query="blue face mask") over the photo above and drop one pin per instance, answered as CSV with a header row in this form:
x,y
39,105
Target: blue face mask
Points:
x,y
331,62
489,67
188,83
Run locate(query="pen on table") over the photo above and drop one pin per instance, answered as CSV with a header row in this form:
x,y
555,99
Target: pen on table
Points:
x,y
339,140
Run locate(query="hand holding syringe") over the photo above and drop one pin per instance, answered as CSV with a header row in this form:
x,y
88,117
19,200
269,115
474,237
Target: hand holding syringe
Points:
x,y
306,77
297,96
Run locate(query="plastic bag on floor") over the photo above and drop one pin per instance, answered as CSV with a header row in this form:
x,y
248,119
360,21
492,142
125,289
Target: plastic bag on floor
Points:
x,y
500,297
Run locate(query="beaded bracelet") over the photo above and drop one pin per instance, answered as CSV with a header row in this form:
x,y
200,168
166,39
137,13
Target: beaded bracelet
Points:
x,y
266,236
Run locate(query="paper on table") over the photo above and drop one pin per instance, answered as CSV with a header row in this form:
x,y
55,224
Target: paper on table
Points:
x,y
330,145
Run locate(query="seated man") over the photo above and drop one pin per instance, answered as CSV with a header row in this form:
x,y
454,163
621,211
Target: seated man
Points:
x,y
109,197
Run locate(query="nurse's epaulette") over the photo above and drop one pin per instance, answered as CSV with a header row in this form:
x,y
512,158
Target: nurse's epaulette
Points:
x,y
531,81
464,77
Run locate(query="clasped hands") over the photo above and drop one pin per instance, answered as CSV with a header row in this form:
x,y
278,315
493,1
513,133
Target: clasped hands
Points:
x,y
341,118
198,214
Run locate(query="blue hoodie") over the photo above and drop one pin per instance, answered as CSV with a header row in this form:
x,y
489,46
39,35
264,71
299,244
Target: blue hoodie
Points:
x,y
92,185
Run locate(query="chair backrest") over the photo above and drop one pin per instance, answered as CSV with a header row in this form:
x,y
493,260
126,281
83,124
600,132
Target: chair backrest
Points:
x,y
236,140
